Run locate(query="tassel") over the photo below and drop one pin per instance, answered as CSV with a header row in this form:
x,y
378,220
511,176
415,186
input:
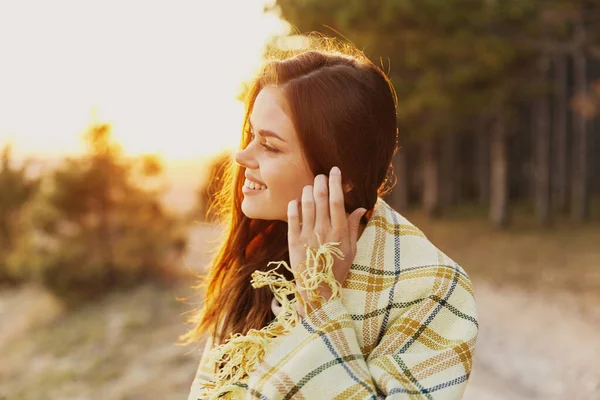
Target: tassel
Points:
x,y
241,353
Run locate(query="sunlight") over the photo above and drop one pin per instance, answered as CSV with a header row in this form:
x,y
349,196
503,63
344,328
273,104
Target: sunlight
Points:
x,y
165,74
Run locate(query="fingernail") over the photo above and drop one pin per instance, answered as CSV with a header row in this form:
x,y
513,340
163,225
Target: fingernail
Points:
x,y
335,171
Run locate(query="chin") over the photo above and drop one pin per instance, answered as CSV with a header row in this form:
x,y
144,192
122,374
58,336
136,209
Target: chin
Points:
x,y
248,211
253,212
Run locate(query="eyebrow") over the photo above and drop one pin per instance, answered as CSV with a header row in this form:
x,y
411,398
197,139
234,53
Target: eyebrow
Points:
x,y
267,133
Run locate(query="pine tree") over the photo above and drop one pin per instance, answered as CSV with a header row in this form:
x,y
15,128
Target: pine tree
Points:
x,y
99,224
16,190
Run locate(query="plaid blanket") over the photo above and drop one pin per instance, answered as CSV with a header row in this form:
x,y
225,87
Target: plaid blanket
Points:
x,y
405,327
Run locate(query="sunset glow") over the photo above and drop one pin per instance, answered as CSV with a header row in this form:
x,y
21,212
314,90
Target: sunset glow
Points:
x,y
165,74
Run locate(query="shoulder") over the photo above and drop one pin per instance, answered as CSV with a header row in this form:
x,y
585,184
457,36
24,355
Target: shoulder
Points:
x,y
392,247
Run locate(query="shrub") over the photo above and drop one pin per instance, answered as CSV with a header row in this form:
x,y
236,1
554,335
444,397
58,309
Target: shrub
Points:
x,y
16,191
98,225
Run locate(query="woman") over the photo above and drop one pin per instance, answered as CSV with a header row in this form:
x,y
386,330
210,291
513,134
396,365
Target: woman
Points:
x,y
321,290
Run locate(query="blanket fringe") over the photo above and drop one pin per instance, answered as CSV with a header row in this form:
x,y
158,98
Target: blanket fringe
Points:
x,y
241,353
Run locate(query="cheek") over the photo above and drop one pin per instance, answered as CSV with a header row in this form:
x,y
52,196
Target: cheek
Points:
x,y
287,183
289,191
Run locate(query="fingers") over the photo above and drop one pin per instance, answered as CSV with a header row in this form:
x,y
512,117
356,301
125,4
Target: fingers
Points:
x,y
293,220
321,196
336,200
308,210
322,208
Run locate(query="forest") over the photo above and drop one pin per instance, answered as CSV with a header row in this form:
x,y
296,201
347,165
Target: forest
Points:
x,y
497,100
498,163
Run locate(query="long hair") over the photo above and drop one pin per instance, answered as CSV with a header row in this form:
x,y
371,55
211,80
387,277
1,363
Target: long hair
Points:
x,y
343,108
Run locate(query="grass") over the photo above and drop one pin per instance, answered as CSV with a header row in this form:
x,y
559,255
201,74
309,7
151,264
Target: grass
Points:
x,y
116,348
123,346
564,257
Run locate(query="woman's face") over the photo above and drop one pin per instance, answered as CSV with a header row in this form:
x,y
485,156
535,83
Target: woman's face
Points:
x,y
272,159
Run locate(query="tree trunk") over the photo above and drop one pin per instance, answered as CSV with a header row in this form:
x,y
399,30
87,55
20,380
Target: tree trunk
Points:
x,y
431,180
559,175
498,175
5,235
594,162
579,176
104,228
399,195
448,170
541,146
483,167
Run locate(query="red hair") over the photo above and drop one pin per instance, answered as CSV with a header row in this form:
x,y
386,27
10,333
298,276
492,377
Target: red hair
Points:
x,y
344,111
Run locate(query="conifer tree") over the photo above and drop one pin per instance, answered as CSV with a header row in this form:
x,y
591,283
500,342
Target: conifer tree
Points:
x,y
99,224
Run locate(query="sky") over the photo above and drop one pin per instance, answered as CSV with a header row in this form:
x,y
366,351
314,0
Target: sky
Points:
x,y
165,73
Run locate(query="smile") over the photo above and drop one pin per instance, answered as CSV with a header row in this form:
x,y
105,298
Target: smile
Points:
x,y
253,186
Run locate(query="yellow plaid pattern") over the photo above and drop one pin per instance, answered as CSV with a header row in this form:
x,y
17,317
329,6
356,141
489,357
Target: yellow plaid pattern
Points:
x,y
404,328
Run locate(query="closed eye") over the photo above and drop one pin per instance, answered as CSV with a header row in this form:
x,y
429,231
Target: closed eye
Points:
x,y
269,148
264,145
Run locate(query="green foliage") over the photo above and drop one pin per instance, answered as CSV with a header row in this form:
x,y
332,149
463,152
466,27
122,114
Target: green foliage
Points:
x,y
453,62
98,224
16,190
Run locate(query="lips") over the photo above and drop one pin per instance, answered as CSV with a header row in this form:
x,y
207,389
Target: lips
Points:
x,y
256,181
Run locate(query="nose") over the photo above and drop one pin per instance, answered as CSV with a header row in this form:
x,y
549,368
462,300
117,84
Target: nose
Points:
x,y
245,158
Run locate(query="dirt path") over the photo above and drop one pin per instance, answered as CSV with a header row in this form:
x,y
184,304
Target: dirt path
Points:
x,y
535,346
532,345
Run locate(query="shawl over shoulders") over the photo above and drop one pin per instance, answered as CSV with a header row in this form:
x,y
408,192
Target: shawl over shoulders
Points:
x,y
405,327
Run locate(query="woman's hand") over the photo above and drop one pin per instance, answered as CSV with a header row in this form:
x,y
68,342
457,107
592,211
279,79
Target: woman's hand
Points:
x,y
323,214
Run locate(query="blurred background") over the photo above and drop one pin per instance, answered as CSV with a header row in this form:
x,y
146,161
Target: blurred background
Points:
x,y
117,117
